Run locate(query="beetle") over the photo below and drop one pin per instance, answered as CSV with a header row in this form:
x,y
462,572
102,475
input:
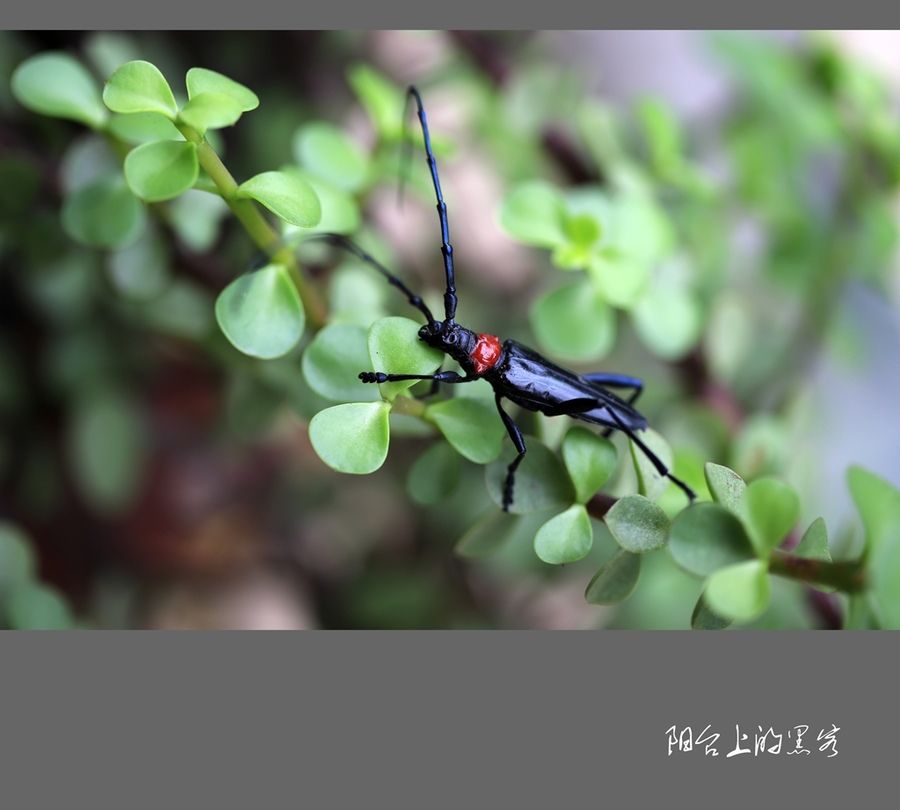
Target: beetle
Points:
x,y
515,372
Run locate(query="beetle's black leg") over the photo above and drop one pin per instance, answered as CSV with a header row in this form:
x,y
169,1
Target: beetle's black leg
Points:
x,y
516,435
654,459
435,387
440,377
617,381
338,240
446,247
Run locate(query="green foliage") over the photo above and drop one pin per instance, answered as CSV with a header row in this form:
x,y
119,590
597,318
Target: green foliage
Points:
x,y
55,84
352,438
574,322
471,426
328,153
394,347
261,312
161,170
637,524
706,537
139,87
590,460
104,214
565,538
615,580
739,592
286,194
333,360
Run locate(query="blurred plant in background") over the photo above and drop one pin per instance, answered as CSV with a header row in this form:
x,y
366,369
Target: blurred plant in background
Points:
x,y
169,333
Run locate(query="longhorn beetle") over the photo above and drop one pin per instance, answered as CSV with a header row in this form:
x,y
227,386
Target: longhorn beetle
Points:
x,y
514,371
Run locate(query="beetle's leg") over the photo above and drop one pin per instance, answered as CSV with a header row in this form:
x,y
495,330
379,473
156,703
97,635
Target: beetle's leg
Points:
x,y
618,381
516,435
341,241
440,377
654,459
432,391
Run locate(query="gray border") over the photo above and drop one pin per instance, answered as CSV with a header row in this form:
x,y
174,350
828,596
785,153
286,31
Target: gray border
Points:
x,y
423,720
500,14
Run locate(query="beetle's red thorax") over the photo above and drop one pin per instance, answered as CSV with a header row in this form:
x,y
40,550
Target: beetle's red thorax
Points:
x,y
486,353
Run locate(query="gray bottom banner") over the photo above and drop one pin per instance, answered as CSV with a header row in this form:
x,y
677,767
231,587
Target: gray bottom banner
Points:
x,y
451,719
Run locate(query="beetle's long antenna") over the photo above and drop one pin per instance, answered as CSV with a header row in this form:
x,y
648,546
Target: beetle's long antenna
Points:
x,y
341,241
446,247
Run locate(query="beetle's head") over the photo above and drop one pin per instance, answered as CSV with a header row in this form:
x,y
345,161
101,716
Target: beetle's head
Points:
x,y
450,338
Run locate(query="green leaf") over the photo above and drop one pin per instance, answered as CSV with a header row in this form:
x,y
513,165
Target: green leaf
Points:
x,y
472,426
435,474
141,271
56,84
196,217
638,525
328,153
565,538
261,312
201,81
704,618
814,543
533,213
739,592
356,295
382,99
33,606
650,482
487,535
706,537
878,503
333,360
541,479
285,194
669,321
615,580
770,509
161,170
139,87
340,211
16,557
104,214
725,485
574,323
106,449
395,348
590,460
352,438
210,111
140,128
620,282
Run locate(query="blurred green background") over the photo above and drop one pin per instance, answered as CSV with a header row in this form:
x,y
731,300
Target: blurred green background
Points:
x,y
153,476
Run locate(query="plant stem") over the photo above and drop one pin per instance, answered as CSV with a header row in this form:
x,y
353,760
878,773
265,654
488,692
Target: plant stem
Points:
x,y
846,576
258,228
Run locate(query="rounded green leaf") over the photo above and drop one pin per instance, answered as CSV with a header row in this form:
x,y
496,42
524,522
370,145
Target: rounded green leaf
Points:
x,y
382,99
106,449
590,460
637,524
615,580
435,474
669,321
210,111
541,479
878,504
706,537
650,482
201,80
487,535
139,128
534,213
565,538
139,87
395,348
619,281
573,322
104,214
340,211
333,360
356,295
352,438
58,85
472,426
286,194
739,592
261,312
725,485
161,170
33,606
327,152
16,557
704,618
770,509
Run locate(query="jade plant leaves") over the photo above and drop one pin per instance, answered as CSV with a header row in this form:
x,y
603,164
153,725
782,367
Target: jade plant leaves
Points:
x,y
706,537
541,479
333,360
352,438
261,312
574,322
637,524
56,84
471,426
395,348
615,580
104,214
286,194
161,170
328,153
739,592
770,509
139,87
590,460
565,538
201,81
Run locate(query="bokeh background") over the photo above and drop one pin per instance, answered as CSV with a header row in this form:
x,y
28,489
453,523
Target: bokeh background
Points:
x,y
153,477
